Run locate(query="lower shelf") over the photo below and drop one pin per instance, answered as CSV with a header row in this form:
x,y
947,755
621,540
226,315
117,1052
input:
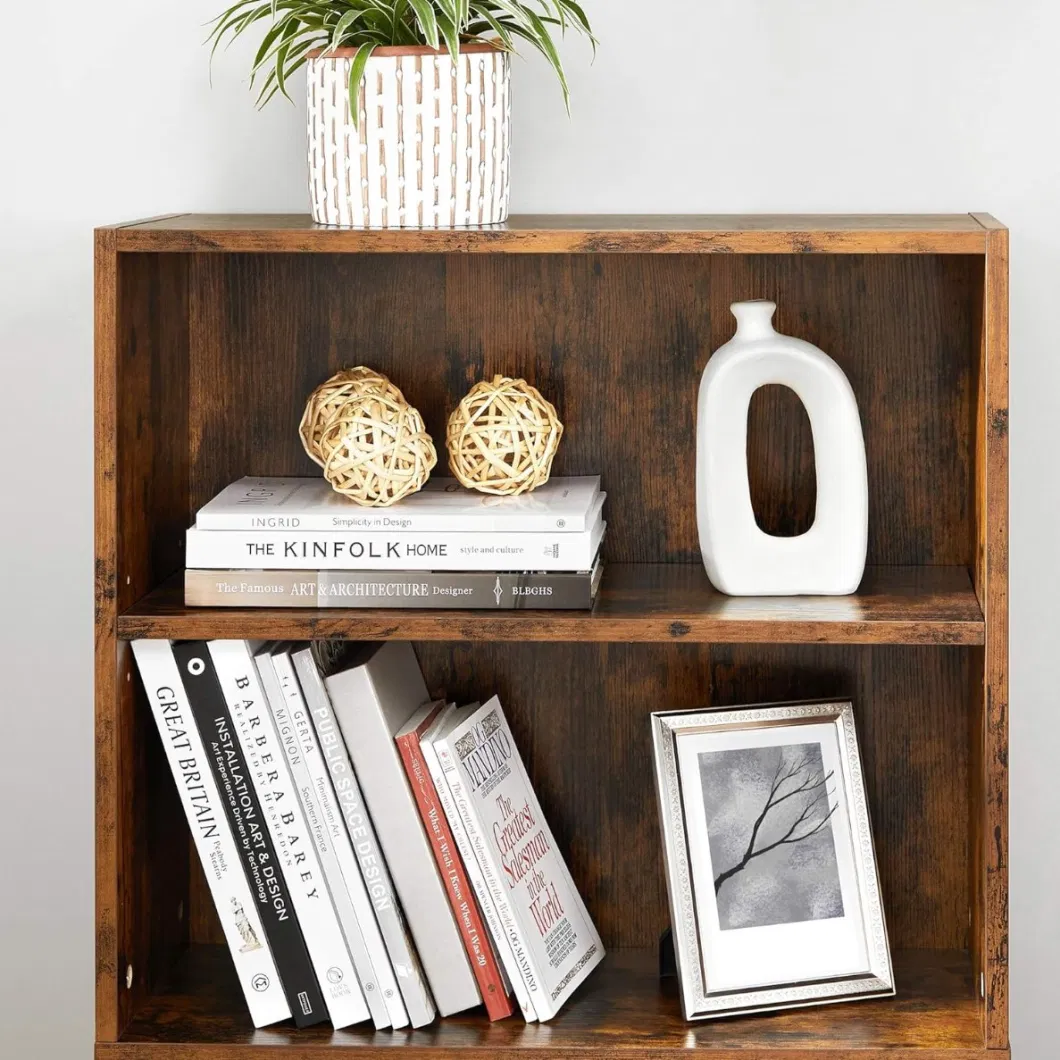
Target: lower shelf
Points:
x,y
622,1011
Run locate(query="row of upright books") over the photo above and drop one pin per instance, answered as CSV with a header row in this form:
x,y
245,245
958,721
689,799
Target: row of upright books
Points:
x,y
274,542
372,854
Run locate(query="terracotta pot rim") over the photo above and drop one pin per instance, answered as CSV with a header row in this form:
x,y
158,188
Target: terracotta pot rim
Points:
x,y
477,48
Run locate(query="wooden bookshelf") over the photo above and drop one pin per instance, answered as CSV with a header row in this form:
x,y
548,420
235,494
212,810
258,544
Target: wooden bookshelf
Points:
x,y
211,331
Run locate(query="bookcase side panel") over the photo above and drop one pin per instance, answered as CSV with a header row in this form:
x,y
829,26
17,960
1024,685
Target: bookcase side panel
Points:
x,y
111,1013
990,576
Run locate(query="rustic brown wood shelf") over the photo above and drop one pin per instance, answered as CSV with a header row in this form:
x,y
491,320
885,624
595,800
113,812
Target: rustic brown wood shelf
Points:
x,y
624,1011
211,330
572,234
638,602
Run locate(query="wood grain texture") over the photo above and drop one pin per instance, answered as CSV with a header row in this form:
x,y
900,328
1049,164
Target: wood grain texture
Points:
x,y
990,822
618,344
574,234
109,942
203,364
580,717
908,704
141,507
623,1010
637,602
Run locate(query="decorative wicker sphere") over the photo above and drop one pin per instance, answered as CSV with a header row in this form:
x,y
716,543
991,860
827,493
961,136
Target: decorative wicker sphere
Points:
x,y
374,447
329,397
503,437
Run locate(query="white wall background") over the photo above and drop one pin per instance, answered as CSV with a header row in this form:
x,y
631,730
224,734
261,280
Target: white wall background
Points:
x,y
106,114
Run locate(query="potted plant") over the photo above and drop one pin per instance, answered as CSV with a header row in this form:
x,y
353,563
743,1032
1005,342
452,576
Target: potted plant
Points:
x,y
408,100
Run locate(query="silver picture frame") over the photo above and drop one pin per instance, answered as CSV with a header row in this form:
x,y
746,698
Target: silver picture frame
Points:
x,y
814,749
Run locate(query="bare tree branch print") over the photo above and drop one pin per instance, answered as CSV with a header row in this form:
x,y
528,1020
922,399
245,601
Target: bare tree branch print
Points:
x,y
798,806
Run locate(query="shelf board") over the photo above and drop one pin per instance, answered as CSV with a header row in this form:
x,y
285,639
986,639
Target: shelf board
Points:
x,y
637,602
623,1010
573,234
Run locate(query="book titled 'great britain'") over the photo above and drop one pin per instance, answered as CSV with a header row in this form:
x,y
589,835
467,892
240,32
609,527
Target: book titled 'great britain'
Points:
x,y
555,943
561,504
214,842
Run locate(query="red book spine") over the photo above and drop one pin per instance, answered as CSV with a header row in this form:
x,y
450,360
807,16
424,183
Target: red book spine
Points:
x,y
458,887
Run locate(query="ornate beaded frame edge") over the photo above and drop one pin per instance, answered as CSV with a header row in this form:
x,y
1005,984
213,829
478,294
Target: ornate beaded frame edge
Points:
x,y
696,1002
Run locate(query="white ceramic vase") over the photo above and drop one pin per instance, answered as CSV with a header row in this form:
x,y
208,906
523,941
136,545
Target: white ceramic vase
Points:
x,y
432,145
741,559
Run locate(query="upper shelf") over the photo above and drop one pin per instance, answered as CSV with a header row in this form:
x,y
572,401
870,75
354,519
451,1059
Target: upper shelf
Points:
x,y
575,234
637,602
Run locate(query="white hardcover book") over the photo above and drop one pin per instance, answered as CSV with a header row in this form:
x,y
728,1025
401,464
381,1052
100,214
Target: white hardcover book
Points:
x,y
391,930
239,676
373,699
560,505
318,801
222,865
398,550
501,946
556,944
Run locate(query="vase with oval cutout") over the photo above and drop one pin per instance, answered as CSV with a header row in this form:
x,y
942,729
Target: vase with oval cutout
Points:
x,y
741,559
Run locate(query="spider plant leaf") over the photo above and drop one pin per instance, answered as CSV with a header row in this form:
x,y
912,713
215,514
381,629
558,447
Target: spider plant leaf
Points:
x,y
450,10
582,21
542,41
428,23
267,42
342,26
450,34
497,25
357,69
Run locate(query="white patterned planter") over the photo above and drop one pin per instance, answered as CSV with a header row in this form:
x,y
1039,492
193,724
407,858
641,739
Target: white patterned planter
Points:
x,y
432,145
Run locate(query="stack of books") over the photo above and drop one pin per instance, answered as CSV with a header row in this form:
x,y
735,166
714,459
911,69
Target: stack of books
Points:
x,y
273,542
372,854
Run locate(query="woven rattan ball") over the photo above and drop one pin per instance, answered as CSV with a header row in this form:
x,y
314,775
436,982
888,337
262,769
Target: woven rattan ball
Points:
x,y
375,448
329,397
503,437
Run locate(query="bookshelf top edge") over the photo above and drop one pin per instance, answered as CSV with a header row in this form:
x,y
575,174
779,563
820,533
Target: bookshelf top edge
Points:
x,y
571,234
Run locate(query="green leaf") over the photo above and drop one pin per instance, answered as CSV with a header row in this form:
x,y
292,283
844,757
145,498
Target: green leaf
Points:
x,y
341,27
489,21
267,42
427,22
451,35
357,69
291,29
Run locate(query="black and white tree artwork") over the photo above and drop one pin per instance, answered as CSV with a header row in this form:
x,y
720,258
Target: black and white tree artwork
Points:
x,y
769,825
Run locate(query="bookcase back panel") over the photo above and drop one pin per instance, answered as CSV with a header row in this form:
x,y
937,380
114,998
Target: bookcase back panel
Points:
x,y
618,342
579,713
151,417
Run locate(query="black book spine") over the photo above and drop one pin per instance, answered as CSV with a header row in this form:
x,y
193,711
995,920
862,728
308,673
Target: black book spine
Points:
x,y
253,842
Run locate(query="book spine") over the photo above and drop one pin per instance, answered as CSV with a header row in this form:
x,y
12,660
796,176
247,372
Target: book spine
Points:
x,y
279,550
370,860
299,741
520,522
385,979
212,835
478,883
458,887
253,841
269,768
373,699
491,874
275,774
439,590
